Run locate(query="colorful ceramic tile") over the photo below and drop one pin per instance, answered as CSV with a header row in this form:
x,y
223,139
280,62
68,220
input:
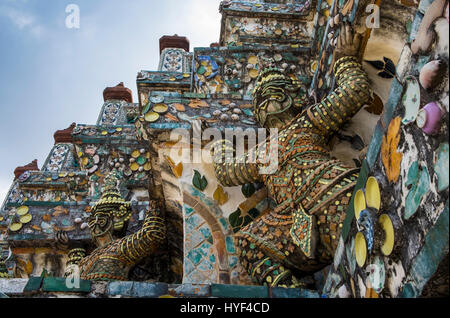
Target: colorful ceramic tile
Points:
x,y
411,100
419,182
391,157
376,274
441,167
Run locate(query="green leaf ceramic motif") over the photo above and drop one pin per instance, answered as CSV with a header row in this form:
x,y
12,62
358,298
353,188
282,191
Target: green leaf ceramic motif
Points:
x,y
248,190
146,108
199,181
419,180
238,220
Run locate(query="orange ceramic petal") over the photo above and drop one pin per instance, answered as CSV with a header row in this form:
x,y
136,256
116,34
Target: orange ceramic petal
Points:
x,y
220,196
178,170
390,157
179,107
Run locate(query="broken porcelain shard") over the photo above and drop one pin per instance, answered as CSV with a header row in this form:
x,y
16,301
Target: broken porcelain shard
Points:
x,y
411,100
431,74
429,118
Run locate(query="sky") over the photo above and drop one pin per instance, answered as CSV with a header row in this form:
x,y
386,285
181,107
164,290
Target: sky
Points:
x,y
52,75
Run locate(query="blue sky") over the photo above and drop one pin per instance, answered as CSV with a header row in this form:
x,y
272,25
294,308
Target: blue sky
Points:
x,y
51,76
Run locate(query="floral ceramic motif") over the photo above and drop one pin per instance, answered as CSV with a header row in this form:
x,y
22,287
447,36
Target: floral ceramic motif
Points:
x,y
110,113
56,160
172,61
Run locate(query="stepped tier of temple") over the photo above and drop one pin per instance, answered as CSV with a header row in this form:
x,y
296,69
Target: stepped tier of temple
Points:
x,y
388,234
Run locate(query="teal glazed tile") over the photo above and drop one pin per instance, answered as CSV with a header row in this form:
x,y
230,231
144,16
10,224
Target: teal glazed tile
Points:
x,y
205,231
423,267
236,291
190,290
146,290
434,250
57,284
375,145
230,245
188,210
205,248
279,292
394,97
34,284
420,185
188,227
195,256
437,241
408,291
195,220
224,223
443,221
437,238
232,261
120,289
212,258
305,293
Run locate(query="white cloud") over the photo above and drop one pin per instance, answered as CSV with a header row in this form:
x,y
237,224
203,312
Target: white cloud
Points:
x,y
204,21
22,20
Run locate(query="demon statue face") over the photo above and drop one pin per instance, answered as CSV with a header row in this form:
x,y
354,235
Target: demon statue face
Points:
x,y
277,98
110,214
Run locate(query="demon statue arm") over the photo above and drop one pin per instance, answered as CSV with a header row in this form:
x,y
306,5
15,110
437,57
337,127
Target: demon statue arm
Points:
x,y
233,172
116,255
311,190
114,260
352,92
146,241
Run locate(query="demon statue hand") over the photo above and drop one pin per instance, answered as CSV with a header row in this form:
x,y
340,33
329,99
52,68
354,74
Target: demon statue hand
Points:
x,y
114,258
5,256
311,190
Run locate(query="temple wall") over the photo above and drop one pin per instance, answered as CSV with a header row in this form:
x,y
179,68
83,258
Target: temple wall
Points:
x,y
397,249
395,236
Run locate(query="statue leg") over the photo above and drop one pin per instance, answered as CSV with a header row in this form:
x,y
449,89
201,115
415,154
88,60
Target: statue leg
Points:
x,y
269,254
